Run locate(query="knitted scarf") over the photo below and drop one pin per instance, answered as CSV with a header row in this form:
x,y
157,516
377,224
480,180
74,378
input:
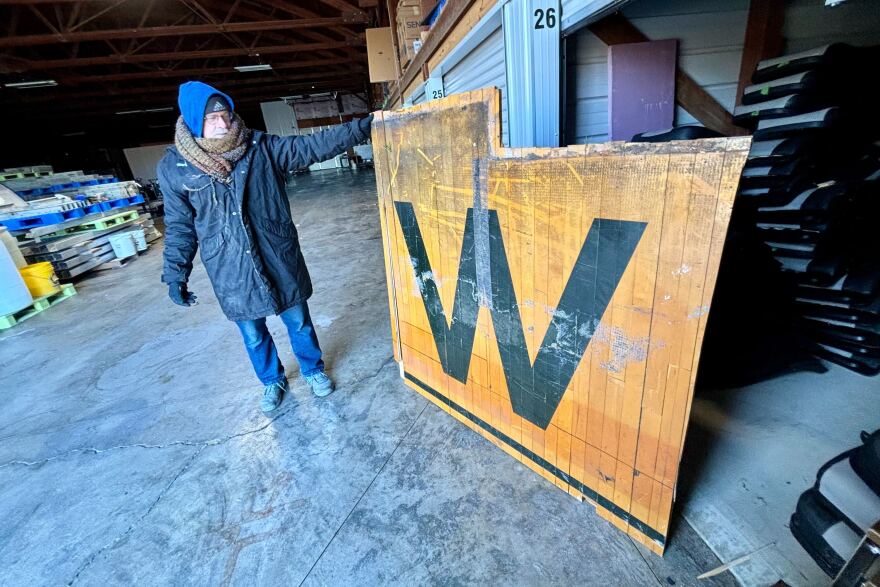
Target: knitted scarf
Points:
x,y
216,157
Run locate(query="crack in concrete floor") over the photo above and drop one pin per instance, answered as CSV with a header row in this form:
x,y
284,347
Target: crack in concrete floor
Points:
x,y
365,491
201,446
85,565
197,443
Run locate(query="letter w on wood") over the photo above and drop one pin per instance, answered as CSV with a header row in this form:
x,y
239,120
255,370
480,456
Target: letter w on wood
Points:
x,y
535,388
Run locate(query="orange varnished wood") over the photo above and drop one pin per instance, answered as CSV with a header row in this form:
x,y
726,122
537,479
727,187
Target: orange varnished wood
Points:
x,y
616,436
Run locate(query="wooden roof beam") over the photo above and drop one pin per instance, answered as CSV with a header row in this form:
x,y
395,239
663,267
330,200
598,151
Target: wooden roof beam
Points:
x,y
92,17
292,8
199,72
345,8
763,39
168,31
241,96
247,83
188,55
29,2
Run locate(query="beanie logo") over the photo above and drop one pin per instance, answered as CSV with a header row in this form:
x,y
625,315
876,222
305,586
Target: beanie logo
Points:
x,y
218,106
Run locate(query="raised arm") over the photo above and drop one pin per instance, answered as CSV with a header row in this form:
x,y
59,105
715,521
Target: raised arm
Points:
x,y
297,152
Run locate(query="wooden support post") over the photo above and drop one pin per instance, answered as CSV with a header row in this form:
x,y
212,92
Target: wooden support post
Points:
x,y
616,29
391,6
763,39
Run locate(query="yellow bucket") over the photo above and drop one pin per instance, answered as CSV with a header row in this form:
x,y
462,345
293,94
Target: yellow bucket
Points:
x,y
40,279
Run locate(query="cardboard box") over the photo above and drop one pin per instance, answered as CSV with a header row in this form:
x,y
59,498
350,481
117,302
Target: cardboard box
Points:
x,y
405,45
410,27
380,55
409,19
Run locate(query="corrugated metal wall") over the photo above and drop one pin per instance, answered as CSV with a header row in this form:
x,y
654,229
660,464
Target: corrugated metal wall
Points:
x,y
710,34
483,67
586,104
422,97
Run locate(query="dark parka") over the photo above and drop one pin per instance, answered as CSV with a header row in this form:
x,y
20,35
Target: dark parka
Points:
x,y
248,240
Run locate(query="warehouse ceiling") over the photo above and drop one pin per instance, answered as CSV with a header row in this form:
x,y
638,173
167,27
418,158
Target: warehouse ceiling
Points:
x,y
73,67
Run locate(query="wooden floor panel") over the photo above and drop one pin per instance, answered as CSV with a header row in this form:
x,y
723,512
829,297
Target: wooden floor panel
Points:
x,y
554,300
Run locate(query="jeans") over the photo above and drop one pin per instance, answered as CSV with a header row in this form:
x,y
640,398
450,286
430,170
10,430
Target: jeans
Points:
x,y
261,347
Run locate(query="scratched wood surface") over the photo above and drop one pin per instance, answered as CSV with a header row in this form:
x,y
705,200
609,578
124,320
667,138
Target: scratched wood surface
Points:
x,y
554,300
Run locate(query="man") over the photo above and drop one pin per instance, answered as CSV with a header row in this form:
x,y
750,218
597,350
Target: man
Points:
x,y
224,191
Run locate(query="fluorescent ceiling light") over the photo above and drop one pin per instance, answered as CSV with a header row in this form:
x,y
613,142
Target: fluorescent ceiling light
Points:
x,y
247,68
43,83
168,109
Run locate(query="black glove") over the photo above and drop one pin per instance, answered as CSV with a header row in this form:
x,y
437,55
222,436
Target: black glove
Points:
x,y
180,296
365,123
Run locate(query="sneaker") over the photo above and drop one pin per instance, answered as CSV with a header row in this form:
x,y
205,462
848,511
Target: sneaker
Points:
x,y
273,395
321,385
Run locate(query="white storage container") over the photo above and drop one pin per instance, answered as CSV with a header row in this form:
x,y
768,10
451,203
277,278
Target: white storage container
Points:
x,y
12,246
123,245
14,294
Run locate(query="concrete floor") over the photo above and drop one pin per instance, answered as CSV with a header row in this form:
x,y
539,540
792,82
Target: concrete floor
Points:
x,y
132,450
752,451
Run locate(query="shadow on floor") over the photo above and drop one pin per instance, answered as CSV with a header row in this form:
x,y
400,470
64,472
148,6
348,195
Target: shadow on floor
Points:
x,y
749,339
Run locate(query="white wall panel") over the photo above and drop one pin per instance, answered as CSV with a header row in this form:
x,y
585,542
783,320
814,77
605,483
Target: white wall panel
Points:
x,y
279,118
143,160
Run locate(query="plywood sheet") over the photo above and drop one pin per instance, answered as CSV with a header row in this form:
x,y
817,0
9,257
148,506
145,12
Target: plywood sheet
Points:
x,y
641,87
554,300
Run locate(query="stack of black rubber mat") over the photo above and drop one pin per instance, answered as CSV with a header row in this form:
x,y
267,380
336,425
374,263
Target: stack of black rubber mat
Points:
x,y
833,515
811,191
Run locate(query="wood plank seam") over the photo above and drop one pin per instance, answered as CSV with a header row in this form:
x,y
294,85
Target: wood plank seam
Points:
x,y
578,356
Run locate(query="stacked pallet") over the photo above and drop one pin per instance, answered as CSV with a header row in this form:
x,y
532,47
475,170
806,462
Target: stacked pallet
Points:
x,y
809,192
69,219
76,249
62,208
30,187
13,173
37,306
